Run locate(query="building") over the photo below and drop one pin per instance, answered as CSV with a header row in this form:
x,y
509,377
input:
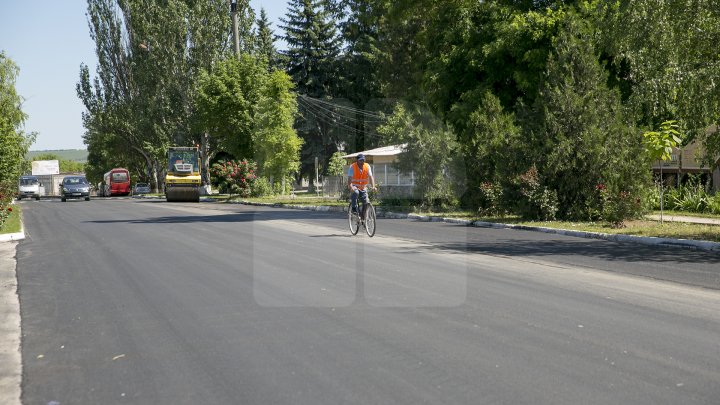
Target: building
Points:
x,y
387,176
683,161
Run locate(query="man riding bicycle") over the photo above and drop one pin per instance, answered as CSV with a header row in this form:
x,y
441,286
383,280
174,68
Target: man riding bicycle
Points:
x,y
359,175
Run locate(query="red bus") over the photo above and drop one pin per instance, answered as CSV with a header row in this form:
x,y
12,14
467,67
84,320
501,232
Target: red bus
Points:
x,y
116,182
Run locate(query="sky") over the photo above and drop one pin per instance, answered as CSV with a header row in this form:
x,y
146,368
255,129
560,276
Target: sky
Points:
x,y
48,40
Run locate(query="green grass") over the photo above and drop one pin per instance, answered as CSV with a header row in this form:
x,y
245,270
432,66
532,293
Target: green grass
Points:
x,y
675,230
13,223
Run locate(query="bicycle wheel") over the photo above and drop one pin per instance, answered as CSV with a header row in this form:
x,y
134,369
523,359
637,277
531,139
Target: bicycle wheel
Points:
x,y
370,220
353,221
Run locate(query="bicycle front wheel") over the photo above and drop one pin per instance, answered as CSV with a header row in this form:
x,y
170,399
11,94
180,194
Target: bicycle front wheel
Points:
x,y
370,218
353,221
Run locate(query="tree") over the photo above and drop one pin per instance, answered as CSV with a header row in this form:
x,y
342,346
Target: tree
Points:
x,y
227,101
313,48
666,56
358,70
336,166
582,138
431,153
659,145
149,54
265,41
493,149
14,142
277,145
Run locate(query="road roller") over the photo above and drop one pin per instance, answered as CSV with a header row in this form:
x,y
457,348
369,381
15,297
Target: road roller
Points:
x,y
183,180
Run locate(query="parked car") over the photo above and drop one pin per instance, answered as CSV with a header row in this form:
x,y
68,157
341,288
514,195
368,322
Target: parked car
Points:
x,y
141,188
29,186
75,187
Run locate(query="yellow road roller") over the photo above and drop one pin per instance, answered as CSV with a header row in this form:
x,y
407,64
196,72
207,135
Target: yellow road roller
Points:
x,y
182,182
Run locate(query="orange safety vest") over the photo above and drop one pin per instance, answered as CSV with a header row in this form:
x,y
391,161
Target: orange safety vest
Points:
x,y
361,177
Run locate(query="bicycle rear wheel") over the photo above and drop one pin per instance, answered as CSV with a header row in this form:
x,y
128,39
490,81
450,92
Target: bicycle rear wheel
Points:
x,y
370,220
353,221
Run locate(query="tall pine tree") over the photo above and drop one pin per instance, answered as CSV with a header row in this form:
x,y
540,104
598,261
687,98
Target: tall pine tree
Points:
x,y
358,65
313,49
265,41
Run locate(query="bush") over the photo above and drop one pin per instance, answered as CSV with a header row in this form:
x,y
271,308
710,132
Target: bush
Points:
x,y
262,187
714,204
234,177
689,197
287,189
490,201
619,205
536,201
7,191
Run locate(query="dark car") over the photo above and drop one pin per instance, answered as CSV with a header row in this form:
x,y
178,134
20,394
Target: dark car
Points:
x,y
75,187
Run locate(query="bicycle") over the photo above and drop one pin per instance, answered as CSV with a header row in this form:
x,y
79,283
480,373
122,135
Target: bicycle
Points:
x,y
367,220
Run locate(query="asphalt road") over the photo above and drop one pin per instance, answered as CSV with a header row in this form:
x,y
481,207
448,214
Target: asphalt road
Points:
x,y
144,302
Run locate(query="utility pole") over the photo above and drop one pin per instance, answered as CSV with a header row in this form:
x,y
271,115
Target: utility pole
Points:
x,y
236,35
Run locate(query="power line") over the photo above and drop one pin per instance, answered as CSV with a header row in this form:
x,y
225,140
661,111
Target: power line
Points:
x,y
354,110
326,116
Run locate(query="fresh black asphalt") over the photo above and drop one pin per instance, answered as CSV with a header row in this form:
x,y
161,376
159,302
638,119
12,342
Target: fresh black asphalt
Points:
x,y
145,302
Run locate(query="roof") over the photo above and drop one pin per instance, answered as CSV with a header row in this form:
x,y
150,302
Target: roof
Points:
x,y
391,150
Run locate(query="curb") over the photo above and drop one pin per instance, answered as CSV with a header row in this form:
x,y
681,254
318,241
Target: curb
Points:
x,y
645,240
9,237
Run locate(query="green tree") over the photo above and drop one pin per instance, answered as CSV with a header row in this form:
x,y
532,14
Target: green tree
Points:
x,y
336,166
313,49
582,138
493,148
265,41
358,69
665,53
14,142
659,145
277,145
149,54
227,101
430,152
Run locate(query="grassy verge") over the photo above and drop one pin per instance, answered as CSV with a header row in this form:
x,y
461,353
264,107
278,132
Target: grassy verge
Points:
x,y
675,230
13,223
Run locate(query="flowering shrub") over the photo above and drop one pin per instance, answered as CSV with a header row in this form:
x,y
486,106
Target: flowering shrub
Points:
x,y
536,201
490,202
618,206
234,177
6,197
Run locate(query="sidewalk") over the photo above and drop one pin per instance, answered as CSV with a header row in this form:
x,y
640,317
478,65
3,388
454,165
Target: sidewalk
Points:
x,y
683,218
10,360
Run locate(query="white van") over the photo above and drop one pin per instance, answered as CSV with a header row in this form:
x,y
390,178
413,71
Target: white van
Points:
x,y
29,187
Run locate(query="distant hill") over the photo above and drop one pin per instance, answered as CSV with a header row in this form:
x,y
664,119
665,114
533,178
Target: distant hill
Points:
x,y
75,155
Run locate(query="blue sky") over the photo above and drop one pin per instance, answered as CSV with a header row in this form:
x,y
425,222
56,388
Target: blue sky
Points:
x,y
48,40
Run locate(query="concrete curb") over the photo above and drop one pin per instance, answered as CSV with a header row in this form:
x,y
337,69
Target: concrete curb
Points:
x,y
645,240
9,237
